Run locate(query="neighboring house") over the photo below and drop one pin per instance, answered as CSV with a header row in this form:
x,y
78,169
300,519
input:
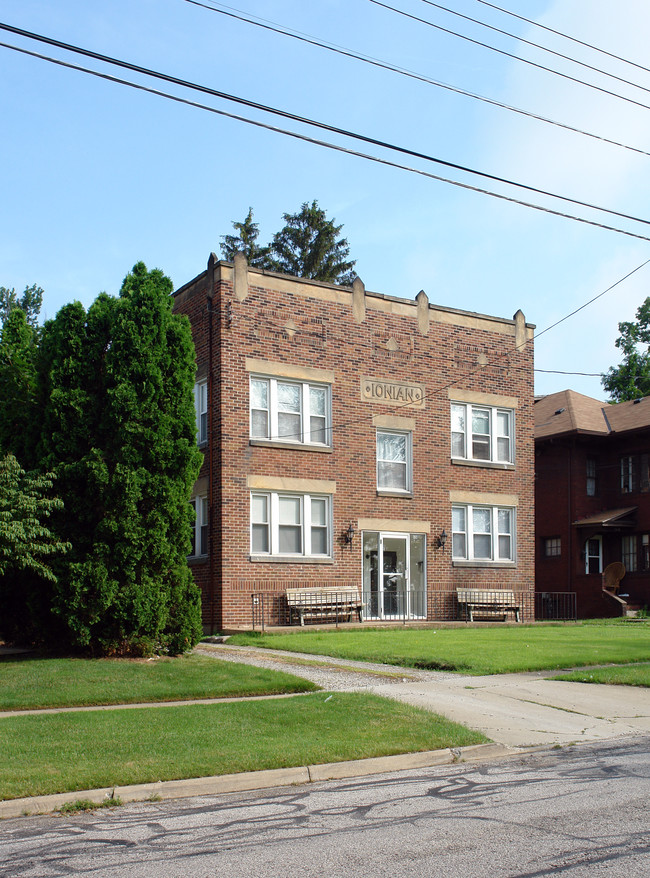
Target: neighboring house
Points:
x,y
356,439
592,499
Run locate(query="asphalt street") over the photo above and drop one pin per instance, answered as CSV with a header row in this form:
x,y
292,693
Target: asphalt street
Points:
x,y
580,811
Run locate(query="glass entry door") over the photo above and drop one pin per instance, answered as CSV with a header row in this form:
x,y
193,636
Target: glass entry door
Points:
x,y
390,591
394,575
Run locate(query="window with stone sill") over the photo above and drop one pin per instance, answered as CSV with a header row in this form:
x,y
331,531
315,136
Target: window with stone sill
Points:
x,y
290,411
297,525
199,507
201,411
482,433
483,533
394,461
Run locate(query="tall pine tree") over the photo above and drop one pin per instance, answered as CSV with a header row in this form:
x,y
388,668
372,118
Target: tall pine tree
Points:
x,y
309,246
245,242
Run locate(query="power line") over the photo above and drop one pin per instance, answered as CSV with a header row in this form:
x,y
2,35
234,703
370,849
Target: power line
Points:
x,y
336,130
510,55
566,36
535,45
393,68
559,372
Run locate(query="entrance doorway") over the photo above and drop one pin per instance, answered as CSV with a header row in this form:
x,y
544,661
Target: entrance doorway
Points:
x,y
394,575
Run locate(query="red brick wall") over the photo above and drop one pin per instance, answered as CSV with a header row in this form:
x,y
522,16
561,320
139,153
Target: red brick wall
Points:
x,y
324,335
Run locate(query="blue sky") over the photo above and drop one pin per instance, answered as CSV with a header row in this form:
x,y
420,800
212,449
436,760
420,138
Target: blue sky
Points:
x,y
96,176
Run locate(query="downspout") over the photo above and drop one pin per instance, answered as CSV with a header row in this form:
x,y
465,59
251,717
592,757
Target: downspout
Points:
x,y
569,517
211,442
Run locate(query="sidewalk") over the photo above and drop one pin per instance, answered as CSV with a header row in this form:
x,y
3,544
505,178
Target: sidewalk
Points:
x,y
516,710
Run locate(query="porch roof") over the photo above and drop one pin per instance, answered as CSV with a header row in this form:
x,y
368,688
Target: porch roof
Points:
x,y
609,518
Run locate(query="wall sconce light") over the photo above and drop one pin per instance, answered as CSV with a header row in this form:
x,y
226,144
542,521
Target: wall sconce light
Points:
x,y
442,539
348,535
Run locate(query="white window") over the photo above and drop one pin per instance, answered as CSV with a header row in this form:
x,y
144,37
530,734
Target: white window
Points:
x,y
629,553
201,410
627,474
290,524
483,533
200,527
482,433
290,411
394,461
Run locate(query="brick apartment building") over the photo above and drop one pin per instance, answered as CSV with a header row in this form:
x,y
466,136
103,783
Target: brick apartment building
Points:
x,y
592,501
356,439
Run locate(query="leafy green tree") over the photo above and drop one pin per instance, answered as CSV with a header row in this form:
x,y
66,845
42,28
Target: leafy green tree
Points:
x,y
631,379
246,242
18,399
309,246
26,546
30,303
119,432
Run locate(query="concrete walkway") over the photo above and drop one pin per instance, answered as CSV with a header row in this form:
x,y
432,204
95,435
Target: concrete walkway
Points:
x,y
516,710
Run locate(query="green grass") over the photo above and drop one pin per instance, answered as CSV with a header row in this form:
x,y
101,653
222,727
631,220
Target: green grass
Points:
x,y
623,675
493,650
77,751
35,683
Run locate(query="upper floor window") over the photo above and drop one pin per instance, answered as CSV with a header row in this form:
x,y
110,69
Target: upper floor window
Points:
x,y
482,433
290,524
290,411
200,527
201,411
483,533
394,466
591,477
552,547
628,475
629,553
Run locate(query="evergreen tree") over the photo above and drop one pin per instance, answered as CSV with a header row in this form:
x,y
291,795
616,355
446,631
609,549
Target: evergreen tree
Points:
x,y
18,402
119,431
29,303
246,242
309,246
631,379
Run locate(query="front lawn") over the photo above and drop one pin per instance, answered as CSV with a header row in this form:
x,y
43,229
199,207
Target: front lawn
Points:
x,y
77,751
35,683
622,675
493,650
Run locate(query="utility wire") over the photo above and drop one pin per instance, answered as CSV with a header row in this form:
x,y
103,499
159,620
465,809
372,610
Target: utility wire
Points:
x,y
510,54
331,128
559,33
304,138
535,45
393,68
559,372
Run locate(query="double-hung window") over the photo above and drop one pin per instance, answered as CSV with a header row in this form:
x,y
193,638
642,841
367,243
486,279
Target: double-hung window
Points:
x,y
290,411
394,461
628,474
200,527
483,533
290,524
482,433
629,553
201,411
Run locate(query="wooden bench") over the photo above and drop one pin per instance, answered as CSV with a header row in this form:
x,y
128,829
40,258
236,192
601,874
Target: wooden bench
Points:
x,y
487,602
324,603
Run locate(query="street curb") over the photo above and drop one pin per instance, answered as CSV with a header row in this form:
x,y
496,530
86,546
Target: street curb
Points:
x,y
255,780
